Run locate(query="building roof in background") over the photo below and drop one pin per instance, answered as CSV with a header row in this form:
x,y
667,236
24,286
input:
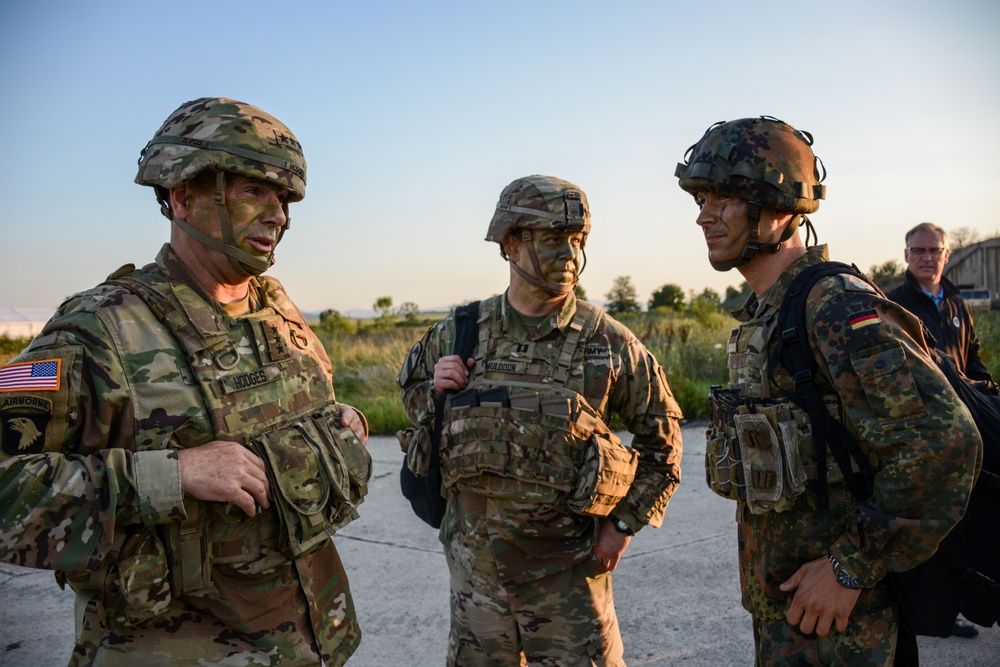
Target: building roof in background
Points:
x,y
8,315
960,256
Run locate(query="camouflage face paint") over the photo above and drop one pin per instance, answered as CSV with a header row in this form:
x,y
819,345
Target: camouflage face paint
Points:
x,y
559,255
723,220
258,212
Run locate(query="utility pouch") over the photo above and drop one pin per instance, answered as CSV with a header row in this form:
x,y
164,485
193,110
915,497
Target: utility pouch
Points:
x,y
533,447
605,477
723,466
769,451
418,449
467,398
348,463
140,581
753,451
188,548
319,474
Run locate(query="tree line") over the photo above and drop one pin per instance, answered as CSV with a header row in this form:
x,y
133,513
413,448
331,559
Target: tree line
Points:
x,y
623,298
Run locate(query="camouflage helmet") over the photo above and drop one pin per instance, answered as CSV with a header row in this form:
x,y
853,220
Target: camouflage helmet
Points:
x,y
226,135
539,202
762,160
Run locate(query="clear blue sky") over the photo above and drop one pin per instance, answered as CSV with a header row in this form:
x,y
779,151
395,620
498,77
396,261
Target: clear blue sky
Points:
x,y
414,115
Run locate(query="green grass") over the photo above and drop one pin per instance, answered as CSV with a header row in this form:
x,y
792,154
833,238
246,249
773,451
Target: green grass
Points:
x,y
11,347
691,350
988,329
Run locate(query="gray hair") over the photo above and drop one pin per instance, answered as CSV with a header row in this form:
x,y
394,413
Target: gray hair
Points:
x,y
927,227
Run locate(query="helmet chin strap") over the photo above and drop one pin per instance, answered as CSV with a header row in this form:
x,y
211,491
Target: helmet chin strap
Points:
x,y
550,288
753,243
242,261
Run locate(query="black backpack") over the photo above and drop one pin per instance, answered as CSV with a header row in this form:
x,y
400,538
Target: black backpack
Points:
x,y
424,493
963,574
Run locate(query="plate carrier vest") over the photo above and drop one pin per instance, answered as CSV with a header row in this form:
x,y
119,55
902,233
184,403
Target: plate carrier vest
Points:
x,y
523,418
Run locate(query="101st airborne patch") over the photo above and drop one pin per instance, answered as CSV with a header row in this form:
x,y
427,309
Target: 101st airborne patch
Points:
x,y
24,420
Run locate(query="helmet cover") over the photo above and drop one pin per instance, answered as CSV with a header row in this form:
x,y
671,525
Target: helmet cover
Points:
x,y
223,134
539,202
762,160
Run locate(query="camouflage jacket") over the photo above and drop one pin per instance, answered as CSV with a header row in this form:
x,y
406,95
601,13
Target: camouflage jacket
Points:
x,y
916,432
614,372
89,473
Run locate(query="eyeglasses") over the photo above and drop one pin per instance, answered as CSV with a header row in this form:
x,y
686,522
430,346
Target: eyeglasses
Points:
x,y
920,252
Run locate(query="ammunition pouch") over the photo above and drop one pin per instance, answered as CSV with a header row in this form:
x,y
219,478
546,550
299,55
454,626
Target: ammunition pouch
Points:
x,y
135,586
416,443
605,477
319,474
759,452
189,550
140,581
554,438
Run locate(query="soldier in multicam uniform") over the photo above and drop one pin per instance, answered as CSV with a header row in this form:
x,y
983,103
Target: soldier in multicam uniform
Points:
x,y
542,497
813,573
171,443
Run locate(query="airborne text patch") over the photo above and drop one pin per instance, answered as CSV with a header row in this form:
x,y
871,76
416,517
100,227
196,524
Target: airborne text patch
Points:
x,y
25,419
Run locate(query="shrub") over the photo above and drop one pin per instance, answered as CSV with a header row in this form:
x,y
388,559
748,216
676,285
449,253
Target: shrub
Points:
x,y
988,329
11,347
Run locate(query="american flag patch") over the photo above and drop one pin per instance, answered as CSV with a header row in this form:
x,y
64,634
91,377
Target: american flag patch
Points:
x,y
32,376
864,320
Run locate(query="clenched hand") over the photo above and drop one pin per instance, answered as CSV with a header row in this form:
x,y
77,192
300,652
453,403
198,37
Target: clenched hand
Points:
x,y
225,472
451,373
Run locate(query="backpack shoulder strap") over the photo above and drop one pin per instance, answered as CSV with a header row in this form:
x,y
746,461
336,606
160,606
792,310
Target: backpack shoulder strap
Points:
x,y
466,329
793,352
466,337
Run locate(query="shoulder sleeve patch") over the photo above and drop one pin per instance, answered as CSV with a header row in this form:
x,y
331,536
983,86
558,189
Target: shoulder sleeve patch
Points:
x,y
412,360
34,389
24,420
41,375
855,284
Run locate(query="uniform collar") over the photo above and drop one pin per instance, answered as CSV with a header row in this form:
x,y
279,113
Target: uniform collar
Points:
x,y
557,320
772,297
190,293
948,288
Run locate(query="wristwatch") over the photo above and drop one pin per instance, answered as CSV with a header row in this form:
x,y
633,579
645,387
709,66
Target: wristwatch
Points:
x,y
844,579
621,526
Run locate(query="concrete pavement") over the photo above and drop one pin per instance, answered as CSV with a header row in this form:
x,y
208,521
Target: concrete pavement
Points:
x,y
676,590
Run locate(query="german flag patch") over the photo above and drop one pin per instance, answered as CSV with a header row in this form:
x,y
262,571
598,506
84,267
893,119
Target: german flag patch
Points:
x,y
865,319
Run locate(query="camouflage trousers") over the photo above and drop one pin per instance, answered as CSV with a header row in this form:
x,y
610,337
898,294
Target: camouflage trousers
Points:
x,y
869,641
565,619
245,620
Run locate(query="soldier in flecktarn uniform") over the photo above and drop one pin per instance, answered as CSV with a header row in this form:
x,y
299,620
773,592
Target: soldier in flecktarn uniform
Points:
x,y
171,443
813,560
542,497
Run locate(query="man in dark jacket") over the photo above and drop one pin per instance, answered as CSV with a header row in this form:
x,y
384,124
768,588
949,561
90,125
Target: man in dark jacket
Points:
x,y
935,300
